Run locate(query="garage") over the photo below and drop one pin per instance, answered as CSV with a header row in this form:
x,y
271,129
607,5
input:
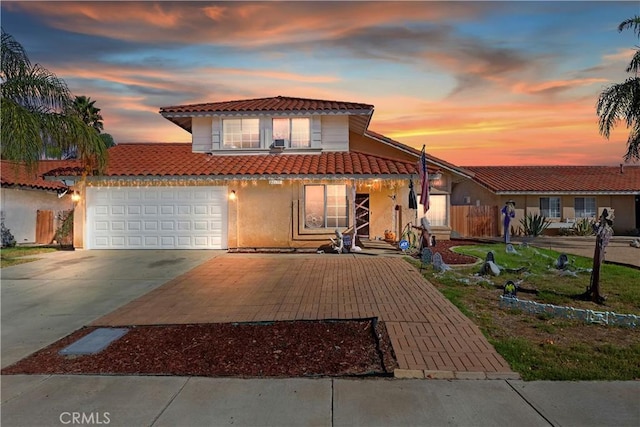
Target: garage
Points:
x,y
156,217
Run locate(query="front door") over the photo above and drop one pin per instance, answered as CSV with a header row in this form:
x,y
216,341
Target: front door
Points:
x,y
362,215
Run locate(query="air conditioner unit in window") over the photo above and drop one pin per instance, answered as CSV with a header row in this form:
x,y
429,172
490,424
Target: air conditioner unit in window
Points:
x,y
279,143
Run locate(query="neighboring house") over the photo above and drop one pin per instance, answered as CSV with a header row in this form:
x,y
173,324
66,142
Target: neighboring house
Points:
x,y
563,194
25,193
275,172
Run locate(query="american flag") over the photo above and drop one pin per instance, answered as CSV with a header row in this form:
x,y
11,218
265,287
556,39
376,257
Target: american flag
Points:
x,y
424,176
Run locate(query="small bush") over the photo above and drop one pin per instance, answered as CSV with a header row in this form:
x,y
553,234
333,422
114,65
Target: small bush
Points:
x,y
534,224
8,241
64,233
583,227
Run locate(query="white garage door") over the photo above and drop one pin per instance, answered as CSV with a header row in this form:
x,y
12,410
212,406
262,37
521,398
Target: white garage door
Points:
x,y
157,218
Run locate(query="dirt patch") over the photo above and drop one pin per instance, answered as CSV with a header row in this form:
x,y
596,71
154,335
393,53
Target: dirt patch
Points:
x,y
274,349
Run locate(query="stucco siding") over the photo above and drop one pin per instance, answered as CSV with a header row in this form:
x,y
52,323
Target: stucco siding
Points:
x,y
20,207
263,215
335,133
625,213
476,194
365,144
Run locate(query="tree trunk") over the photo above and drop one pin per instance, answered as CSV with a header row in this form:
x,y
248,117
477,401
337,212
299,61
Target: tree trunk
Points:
x,y
594,288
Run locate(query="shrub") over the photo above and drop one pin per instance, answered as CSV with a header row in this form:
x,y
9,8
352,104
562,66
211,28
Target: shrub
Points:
x,y
64,233
8,240
583,227
534,225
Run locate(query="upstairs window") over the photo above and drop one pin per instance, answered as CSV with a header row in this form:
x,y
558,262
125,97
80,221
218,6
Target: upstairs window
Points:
x,y
550,207
585,207
241,133
294,132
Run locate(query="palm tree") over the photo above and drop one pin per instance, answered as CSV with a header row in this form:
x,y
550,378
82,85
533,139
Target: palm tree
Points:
x,y
88,112
621,102
36,110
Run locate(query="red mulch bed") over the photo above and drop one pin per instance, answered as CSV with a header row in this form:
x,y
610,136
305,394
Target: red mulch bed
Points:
x,y
273,349
443,247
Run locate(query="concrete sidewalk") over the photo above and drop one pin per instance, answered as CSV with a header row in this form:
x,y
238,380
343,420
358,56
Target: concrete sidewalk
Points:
x,y
179,401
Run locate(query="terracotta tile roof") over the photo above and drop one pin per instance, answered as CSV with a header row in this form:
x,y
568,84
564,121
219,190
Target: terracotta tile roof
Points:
x,y
16,175
178,160
558,179
277,103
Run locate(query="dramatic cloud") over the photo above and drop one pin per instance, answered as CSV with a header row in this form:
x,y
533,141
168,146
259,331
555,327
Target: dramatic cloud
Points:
x,y
478,82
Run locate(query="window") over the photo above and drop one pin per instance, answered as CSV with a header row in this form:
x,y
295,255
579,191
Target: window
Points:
x,y
295,132
241,133
437,213
550,207
325,206
585,207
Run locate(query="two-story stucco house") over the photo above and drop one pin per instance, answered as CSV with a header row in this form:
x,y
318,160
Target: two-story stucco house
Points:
x,y
275,172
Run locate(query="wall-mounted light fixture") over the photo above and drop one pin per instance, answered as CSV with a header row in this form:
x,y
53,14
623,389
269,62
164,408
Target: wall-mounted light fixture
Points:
x,y
232,195
75,197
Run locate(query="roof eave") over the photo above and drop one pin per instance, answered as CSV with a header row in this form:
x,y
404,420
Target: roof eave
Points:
x,y
572,192
248,177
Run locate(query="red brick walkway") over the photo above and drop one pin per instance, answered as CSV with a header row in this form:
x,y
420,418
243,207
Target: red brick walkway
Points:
x,y
429,335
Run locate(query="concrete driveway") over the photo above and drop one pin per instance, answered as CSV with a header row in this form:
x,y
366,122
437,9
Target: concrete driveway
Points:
x,y
45,300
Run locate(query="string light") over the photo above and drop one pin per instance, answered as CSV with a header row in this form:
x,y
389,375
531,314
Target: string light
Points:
x,y
374,184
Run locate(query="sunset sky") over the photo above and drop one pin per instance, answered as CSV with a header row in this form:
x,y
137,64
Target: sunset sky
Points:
x,y
480,83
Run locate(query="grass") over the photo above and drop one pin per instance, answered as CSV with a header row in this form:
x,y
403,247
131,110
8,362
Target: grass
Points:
x,y
543,347
13,256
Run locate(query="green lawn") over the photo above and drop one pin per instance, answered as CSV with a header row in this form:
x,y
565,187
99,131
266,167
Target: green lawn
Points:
x,y
13,256
543,347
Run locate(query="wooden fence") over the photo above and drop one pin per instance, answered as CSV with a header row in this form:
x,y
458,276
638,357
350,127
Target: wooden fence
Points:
x,y
44,227
475,221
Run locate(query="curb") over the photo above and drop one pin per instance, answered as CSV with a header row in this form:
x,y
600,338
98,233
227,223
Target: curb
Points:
x,y
450,375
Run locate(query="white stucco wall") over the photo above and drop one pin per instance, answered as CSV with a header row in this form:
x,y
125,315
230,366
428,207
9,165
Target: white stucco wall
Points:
x,y
19,208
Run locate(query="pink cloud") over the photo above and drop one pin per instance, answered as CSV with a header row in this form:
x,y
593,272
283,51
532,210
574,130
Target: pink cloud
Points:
x,y
226,22
532,88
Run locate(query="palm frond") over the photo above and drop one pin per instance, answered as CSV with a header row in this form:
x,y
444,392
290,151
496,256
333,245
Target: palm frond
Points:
x,y
621,103
37,114
633,23
634,65
21,140
14,57
633,144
